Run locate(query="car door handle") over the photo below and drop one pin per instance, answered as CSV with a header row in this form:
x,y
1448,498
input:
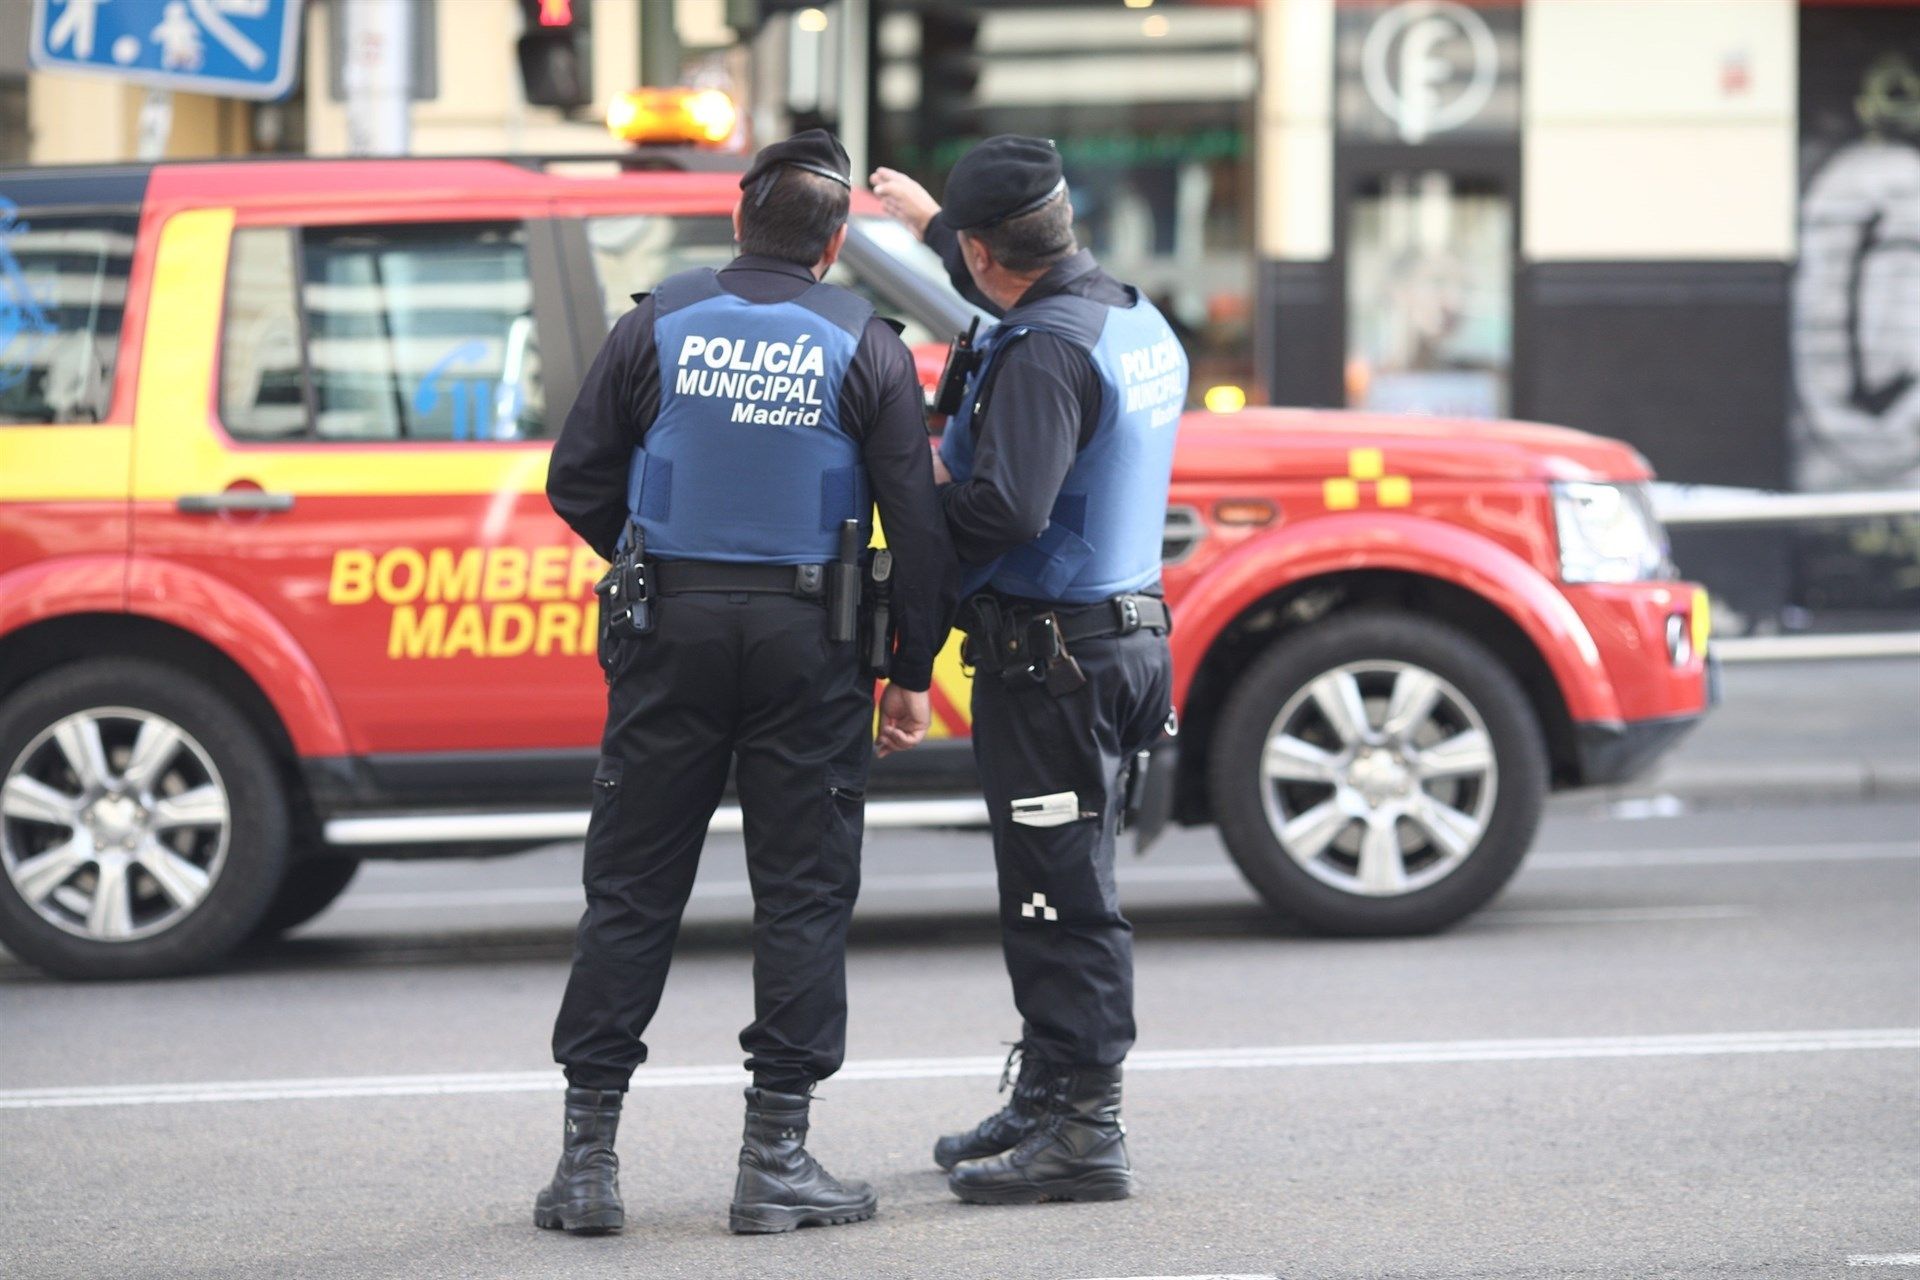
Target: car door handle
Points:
x,y
204,504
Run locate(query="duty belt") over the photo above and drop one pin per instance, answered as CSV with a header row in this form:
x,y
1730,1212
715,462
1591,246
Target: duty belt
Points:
x,y
1120,616
680,577
1023,640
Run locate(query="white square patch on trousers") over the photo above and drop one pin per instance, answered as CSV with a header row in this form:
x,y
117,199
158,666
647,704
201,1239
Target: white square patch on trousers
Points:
x,y
1036,906
1056,810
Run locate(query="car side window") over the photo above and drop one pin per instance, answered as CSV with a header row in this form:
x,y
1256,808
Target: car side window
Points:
x,y
633,253
63,290
389,333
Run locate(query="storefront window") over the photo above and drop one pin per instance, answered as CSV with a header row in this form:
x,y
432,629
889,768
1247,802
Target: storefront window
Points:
x,y
1430,295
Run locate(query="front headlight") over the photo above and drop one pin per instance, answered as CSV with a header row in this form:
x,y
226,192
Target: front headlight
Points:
x,y
1608,533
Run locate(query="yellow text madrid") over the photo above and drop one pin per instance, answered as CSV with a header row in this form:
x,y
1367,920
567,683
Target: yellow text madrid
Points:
x,y
492,602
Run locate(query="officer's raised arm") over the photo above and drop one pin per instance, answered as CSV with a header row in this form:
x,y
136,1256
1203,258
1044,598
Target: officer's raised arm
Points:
x,y
914,207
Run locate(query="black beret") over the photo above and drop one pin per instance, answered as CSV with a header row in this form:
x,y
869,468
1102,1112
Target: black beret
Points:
x,y
1002,178
814,150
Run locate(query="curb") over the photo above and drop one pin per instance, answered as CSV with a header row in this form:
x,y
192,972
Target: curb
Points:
x,y
1737,781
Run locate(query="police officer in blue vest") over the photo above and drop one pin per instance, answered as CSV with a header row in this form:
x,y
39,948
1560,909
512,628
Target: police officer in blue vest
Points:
x,y
732,427
1056,463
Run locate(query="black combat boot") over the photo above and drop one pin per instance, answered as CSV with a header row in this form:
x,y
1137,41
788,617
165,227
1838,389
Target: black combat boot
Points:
x,y
1078,1151
780,1186
584,1196
1004,1128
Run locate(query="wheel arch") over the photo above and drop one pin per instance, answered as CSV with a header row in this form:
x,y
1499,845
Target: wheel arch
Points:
x,y
1246,635
62,641
245,634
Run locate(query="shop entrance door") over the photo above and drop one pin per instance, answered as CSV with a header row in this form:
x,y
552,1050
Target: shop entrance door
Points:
x,y
1427,259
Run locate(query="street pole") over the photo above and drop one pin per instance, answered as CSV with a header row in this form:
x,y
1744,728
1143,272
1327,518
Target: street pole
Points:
x,y
378,75
856,57
659,44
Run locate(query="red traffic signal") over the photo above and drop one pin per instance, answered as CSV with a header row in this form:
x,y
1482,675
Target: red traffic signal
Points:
x,y
556,54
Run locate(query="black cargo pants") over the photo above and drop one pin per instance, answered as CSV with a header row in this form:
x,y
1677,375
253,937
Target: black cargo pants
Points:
x,y
1053,772
723,677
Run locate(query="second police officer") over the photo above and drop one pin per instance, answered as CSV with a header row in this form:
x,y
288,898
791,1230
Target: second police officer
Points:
x,y
1056,464
732,427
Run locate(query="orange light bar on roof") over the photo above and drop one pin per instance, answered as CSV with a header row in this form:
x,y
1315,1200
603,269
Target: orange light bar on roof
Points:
x,y
676,117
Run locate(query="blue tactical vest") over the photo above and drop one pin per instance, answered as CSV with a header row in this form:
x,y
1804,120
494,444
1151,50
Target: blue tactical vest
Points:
x,y
746,460
1107,524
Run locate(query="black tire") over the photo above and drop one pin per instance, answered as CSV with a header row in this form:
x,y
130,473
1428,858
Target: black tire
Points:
x,y
310,887
1390,636
255,860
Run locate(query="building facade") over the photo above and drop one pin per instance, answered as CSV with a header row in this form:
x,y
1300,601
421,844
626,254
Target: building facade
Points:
x,y
1539,209
1692,224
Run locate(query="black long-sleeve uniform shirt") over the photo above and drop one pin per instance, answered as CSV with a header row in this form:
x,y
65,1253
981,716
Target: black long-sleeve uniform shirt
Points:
x,y
881,405
1046,404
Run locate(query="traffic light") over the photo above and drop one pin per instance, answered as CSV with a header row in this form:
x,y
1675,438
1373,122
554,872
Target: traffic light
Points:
x,y
949,70
556,53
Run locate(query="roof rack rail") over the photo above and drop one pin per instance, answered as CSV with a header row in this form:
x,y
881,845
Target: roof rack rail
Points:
x,y
654,160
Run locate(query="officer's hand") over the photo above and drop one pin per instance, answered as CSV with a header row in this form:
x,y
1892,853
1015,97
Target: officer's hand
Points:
x,y
904,199
940,473
904,719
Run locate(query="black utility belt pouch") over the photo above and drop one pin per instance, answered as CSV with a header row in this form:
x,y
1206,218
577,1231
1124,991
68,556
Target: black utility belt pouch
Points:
x,y
876,616
627,588
1022,648
982,625
1049,661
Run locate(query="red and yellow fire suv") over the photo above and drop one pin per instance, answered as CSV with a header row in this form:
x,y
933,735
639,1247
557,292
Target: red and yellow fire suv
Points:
x,y
280,589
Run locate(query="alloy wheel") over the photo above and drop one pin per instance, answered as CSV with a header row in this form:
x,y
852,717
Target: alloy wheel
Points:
x,y
114,824
1378,778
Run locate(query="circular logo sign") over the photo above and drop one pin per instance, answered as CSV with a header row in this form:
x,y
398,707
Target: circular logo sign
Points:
x,y
1430,66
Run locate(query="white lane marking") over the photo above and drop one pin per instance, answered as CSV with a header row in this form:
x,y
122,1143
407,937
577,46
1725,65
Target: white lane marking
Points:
x,y
1409,1053
1641,808
1613,915
938,881
1579,860
1211,1275
1725,856
528,897
1883,1260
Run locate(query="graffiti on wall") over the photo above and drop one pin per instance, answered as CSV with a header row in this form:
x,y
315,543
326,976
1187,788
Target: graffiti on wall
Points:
x,y
1855,319
1856,289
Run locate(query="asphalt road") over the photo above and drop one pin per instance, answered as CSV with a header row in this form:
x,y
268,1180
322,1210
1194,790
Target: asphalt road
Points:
x,y
1656,1055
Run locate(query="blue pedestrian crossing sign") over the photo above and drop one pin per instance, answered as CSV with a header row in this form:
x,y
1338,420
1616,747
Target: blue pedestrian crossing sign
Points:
x,y
230,48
